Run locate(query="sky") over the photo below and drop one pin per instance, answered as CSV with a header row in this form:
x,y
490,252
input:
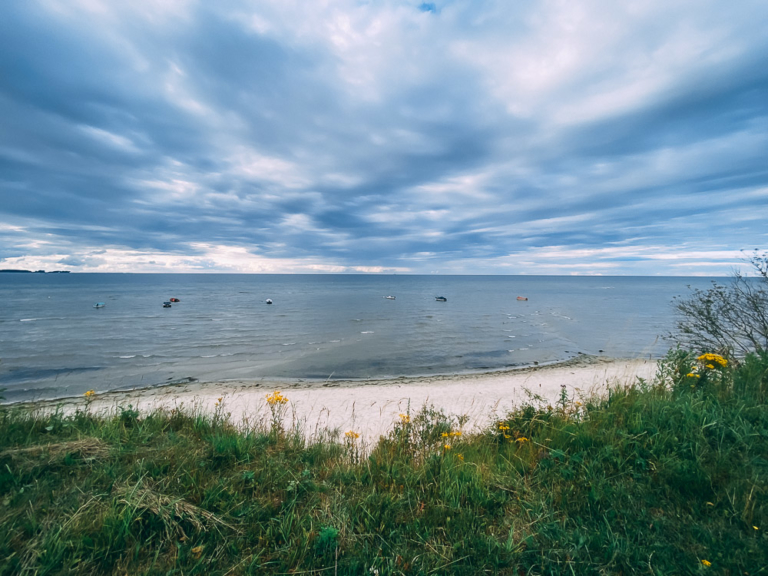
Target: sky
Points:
x,y
475,137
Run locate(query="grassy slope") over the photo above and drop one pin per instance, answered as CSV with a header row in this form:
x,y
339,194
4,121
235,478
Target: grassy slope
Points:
x,y
651,480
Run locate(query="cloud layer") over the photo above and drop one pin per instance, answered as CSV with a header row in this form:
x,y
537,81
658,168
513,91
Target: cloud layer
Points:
x,y
454,137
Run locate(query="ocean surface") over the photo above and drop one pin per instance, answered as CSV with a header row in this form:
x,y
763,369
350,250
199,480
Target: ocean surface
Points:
x,y
54,343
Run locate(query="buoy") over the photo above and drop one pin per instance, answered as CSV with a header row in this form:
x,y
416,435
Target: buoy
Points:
x,y
269,301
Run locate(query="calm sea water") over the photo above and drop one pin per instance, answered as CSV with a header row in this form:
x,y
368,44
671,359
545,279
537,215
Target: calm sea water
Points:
x,y
53,342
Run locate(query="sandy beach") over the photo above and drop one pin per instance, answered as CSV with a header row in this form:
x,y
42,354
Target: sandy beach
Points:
x,y
371,407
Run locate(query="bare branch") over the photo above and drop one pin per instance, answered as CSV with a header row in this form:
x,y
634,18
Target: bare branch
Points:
x,y
729,318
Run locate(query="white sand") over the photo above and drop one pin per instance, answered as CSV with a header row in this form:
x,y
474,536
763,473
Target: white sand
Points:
x,y
371,408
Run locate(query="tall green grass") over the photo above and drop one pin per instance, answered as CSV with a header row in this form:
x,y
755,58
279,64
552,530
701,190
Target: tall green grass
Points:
x,y
662,477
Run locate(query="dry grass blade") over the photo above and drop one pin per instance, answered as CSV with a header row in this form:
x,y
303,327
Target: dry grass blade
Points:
x,y
84,510
86,449
169,508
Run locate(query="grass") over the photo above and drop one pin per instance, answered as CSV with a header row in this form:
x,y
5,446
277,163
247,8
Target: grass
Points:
x,y
662,477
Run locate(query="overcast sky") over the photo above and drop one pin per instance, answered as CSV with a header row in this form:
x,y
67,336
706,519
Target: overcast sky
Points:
x,y
526,137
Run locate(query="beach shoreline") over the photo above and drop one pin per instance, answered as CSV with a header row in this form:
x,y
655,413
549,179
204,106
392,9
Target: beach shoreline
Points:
x,y
370,407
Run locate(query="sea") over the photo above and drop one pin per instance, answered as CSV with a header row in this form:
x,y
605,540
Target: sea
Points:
x,y
54,343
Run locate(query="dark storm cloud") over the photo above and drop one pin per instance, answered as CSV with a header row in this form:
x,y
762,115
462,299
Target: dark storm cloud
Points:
x,y
464,137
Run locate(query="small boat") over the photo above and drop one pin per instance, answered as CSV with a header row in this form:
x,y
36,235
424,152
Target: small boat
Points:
x,y
441,298
175,300
269,300
389,297
99,305
166,304
522,298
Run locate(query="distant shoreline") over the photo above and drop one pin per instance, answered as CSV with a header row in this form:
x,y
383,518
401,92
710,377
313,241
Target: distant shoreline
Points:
x,y
14,271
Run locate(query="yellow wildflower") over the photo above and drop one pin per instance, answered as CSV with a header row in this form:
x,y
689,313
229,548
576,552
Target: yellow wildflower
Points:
x,y
352,435
522,439
711,366
502,427
457,433
692,375
447,446
444,434
755,527
405,418
461,457
713,359
276,398
90,393
706,563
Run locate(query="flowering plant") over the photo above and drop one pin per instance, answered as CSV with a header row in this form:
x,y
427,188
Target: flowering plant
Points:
x,y
276,403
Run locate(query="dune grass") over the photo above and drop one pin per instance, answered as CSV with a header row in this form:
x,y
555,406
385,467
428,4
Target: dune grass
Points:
x,y
662,477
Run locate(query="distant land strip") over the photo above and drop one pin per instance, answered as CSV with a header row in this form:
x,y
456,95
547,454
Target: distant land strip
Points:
x,y
12,271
